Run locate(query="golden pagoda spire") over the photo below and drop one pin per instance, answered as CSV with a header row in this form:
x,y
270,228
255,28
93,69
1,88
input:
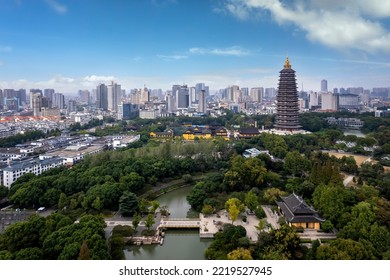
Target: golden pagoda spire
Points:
x,y
287,64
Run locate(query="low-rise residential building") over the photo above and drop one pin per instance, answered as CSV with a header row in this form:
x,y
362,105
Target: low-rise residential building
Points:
x,y
253,152
72,154
121,141
36,166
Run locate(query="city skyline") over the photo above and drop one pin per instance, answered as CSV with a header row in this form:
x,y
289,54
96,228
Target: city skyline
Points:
x,y
68,45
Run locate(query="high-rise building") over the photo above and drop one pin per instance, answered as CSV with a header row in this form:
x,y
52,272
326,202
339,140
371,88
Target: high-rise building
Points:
x,y
182,97
171,106
349,101
114,94
202,102
59,100
33,92
329,101
287,100
49,93
257,94
102,97
84,96
36,101
145,95
71,106
324,86
270,93
313,100
127,111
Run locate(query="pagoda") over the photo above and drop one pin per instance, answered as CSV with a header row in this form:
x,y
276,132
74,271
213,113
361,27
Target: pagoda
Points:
x,y
287,118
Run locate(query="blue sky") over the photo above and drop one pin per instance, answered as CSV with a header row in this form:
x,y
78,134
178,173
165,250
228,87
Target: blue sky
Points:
x,y
76,44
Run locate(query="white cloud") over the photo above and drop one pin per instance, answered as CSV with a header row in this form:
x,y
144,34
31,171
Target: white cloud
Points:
x,y
231,51
172,57
57,7
350,24
5,49
98,79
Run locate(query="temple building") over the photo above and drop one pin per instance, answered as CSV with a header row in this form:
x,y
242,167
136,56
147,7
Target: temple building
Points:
x,y
298,214
287,118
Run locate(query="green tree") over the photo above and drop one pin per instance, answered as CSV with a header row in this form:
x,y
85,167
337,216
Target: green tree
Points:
x,y
132,182
29,254
3,191
239,254
207,209
62,201
97,204
149,222
128,203
135,221
273,194
296,164
234,207
251,201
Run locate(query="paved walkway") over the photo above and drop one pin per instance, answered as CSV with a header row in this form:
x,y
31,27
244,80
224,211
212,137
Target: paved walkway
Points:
x,y
272,218
347,180
214,222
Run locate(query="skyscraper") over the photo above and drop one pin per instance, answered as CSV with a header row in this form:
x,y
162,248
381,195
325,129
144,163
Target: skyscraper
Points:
x,y
202,102
324,86
102,97
114,94
257,94
287,100
182,97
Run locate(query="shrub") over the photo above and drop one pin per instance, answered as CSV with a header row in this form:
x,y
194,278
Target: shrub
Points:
x,y
259,212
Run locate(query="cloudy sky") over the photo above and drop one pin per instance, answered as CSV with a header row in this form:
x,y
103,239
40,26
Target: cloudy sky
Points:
x,y
71,44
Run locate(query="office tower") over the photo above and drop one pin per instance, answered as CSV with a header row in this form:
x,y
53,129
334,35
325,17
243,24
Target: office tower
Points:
x,y
127,111
244,92
175,88
46,102
84,96
380,93
145,95
102,97
135,96
49,93
114,94
32,93
324,86
313,99
21,94
349,101
193,95
36,103
198,88
171,106
287,100
72,106
270,93
59,100
182,97
257,94
202,102
329,101
366,97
